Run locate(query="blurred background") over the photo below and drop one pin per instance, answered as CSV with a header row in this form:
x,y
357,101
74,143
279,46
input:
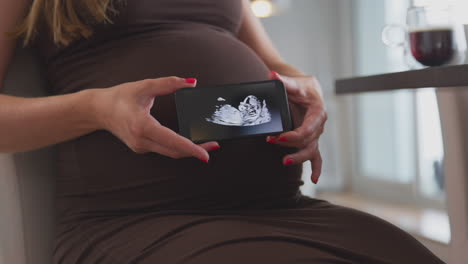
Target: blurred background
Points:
x,y
383,152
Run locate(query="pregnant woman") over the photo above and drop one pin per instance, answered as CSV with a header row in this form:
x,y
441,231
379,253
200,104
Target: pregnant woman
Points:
x,y
129,188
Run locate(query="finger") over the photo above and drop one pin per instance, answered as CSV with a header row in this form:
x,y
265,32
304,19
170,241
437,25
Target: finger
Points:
x,y
311,153
299,137
295,140
210,146
291,85
306,135
310,127
152,146
271,139
316,163
313,120
165,85
293,136
299,157
170,139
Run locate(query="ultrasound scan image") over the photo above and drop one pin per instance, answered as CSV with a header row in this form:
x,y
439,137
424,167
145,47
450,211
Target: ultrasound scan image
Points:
x,y
226,112
250,112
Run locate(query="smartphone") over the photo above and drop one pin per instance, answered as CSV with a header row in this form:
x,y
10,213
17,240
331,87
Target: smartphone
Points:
x,y
233,111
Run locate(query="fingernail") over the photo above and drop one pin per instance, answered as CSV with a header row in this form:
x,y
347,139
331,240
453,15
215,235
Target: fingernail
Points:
x,y
275,74
315,181
215,148
283,139
271,140
190,80
288,162
204,160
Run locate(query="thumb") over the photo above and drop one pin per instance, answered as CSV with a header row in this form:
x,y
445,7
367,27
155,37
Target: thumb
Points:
x,y
290,84
165,85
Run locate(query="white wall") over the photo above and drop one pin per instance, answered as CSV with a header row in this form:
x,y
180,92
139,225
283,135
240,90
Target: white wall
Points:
x,y
314,35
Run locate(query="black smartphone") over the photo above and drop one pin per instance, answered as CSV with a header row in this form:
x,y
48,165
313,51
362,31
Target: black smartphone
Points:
x,y
233,111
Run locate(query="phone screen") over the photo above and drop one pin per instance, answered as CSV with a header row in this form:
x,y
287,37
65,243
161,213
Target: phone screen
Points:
x,y
232,111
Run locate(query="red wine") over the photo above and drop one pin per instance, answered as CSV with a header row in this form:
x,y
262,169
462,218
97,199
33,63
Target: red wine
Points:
x,y
432,47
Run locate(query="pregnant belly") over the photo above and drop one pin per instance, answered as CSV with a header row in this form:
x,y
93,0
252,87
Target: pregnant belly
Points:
x,y
101,168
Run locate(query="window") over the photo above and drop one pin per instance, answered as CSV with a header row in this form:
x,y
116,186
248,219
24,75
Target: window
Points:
x,y
398,149
458,7
399,141
386,132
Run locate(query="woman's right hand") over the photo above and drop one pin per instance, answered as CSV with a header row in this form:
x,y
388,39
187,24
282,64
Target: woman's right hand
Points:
x,y
124,110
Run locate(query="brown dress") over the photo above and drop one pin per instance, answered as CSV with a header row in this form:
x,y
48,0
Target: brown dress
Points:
x,y
116,206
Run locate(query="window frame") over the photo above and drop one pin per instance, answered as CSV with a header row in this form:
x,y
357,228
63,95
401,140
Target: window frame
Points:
x,y
373,187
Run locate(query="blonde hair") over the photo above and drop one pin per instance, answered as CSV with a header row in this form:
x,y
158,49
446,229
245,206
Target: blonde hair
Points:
x,y
68,20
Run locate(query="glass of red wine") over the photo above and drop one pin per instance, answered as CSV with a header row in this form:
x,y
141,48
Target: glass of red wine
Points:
x,y
430,36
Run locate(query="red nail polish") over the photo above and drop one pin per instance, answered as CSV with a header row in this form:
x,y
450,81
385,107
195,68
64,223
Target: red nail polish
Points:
x,y
314,181
204,160
283,139
271,140
190,80
288,162
215,147
275,74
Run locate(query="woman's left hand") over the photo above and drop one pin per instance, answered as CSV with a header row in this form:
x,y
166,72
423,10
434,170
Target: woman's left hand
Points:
x,y
309,117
